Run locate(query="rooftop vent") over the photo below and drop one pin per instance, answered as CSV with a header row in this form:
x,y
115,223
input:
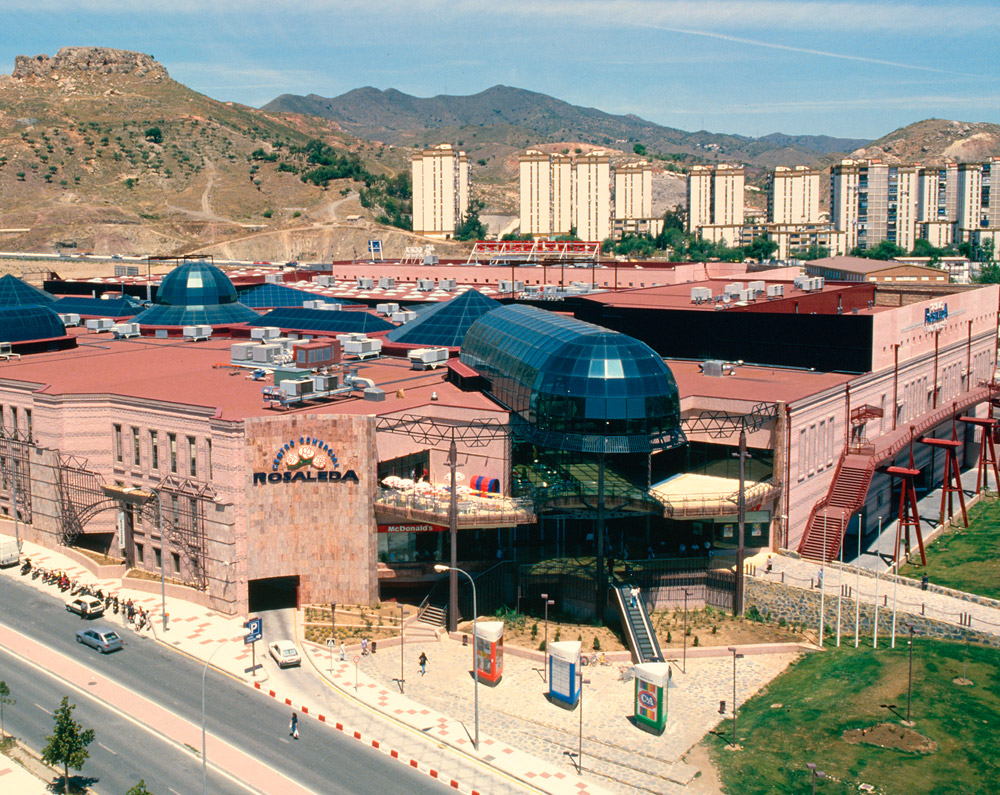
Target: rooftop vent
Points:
x,y
701,294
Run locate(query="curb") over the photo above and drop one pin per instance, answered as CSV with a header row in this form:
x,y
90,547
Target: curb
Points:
x,y
376,744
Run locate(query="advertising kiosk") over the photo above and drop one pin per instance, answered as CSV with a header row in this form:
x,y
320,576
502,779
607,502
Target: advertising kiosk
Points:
x,y
564,665
651,681
489,651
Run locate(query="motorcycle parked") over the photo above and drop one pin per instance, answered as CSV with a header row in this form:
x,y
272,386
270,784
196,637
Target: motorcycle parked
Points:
x,y
26,566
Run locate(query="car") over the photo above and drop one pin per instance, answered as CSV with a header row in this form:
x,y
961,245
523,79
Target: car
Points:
x,y
86,607
116,256
104,639
284,653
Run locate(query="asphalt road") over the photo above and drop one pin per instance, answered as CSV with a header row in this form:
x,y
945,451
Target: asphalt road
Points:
x,y
121,754
323,760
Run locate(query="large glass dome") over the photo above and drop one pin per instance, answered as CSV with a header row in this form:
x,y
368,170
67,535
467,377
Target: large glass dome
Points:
x,y
22,323
196,293
572,385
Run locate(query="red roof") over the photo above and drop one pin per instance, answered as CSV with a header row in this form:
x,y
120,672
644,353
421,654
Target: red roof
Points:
x,y
753,383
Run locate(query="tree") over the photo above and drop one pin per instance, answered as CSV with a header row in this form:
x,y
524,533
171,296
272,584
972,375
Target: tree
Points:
x,y
640,150
4,699
814,251
154,135
139,789
988,274
67,746
471,227
761,248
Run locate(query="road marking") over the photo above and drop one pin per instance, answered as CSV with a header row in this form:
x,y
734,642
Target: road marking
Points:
x,y
113,753
149,729
43,709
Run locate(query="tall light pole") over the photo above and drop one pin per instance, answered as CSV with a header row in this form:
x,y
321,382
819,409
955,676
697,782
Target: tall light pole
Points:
x,y
547,602
814,774
13,490
822,585
735,657
402,647
204,756
840,578
685,668
878,550
440,567
741,515
895,585
163,557
909,678
579,749
857,593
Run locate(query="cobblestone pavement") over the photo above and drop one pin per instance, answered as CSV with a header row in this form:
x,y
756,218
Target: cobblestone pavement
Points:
x,y
625,758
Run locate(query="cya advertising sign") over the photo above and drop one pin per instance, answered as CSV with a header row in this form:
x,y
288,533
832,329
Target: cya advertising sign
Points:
x,y
307,460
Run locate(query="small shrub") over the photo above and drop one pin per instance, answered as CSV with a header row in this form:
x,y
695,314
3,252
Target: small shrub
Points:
x,y
782,622
534,631
296,214
541,646
597,643
267,213
714,629
696,641
688,632
669,638
753,614
558,634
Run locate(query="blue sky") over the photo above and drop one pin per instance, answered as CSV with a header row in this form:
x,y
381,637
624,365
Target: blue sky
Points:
x,y
856,69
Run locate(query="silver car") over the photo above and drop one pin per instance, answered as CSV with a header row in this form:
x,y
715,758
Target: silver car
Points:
x,y
104,639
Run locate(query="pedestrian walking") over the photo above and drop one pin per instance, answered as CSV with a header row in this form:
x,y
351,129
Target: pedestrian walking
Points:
x,y
423,663
634,593
819,579
343,652
770,565
294,726
923,583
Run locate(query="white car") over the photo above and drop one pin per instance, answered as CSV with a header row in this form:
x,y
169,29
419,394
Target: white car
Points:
x,y
86,607
284,653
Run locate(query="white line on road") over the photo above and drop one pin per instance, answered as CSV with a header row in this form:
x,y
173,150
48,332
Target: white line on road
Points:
x,y
43,709
113,753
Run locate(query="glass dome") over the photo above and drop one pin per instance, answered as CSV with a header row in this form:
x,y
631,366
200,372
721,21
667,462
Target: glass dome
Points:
x,y
196,293
571,385
21,323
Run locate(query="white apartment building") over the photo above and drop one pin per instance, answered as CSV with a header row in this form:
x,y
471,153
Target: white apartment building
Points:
x,y
593,196
793,195
440,190
715,199
633,191
546,193
872,201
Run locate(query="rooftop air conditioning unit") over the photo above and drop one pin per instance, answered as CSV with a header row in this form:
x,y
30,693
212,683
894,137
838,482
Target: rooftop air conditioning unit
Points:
x,y
733,289
318,303
124,331
431,259
328,306
427,358
264,354
326,383
775,290
386,282
800,282
325,281
756,287
747,295
505,285
100,324
71,320
403,317
701,294
195,333
713,367
295,387
425,285
351,337
386,309
272,278
366,283
820,283
241,351
363,348
447,284
373,393
264,332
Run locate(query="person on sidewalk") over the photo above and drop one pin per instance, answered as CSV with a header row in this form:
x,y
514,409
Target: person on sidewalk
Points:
x,y
343,652
923,582
294,726
634,593
819,579
423,663
770,565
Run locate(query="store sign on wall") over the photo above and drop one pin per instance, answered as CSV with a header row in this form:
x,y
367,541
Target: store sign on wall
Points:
x,y
307,460
936,313
412,528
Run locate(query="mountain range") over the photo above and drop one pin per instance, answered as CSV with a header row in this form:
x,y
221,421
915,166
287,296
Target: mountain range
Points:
x,y
514,117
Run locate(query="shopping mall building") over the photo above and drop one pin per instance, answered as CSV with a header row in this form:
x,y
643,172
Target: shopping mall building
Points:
x,y
322,455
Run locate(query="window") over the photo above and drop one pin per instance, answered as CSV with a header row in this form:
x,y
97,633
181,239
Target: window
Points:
x,y
176,562
159,557
138,554
193,455
118,443
208,462
154,450
173,508
136,455
172,438
802,453
27,421
13,417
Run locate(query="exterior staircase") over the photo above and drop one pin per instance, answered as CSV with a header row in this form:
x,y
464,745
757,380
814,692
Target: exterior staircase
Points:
x,y
429,624
845,497
639,632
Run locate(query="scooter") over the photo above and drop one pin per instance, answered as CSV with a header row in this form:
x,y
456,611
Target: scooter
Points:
x,y
26,566
38,572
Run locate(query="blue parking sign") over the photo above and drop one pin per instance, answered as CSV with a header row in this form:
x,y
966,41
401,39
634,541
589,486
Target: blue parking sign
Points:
x,y
255,630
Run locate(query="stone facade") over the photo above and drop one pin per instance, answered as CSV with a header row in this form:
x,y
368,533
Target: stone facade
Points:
x,y
802,607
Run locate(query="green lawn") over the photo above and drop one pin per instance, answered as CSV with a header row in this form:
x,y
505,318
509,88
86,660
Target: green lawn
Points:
x,y
824,694
966,559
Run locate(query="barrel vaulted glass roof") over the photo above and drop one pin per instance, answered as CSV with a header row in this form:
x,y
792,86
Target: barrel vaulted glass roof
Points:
x,y
347,321
97,307
274,295
573,385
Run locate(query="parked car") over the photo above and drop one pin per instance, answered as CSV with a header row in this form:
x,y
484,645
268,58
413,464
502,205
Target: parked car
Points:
x,y
104,639
284,653
86,607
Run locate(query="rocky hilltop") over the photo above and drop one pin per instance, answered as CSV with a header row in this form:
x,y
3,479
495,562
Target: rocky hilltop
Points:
x,y
89,60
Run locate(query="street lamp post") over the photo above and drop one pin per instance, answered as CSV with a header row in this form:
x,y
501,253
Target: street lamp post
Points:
x,y
204,756
163,557
735,657
814,774
402,647
546,601
878,550
440,568
579,749
685,667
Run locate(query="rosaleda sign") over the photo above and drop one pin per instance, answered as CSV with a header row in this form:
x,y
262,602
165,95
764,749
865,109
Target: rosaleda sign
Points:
x,y
935,313
307,460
